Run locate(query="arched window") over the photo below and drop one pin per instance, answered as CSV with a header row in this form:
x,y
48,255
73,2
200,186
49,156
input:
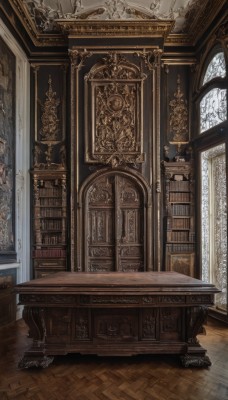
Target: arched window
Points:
x,y
213,104
216,68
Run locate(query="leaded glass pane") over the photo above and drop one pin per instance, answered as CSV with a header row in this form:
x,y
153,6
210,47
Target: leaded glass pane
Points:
x,y
214,221
213,109
205,226
216,68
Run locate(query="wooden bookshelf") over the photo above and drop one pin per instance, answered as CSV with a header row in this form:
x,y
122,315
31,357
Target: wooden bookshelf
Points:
x,y
49,222
179,217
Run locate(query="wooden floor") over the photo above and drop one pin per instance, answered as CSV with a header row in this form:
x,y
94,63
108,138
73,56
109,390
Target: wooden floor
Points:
x,y
75,377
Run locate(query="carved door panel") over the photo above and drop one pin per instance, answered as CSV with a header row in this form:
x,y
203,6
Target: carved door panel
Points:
x,y
114,225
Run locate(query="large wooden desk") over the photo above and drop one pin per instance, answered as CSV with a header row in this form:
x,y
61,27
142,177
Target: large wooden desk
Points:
x,y
115,314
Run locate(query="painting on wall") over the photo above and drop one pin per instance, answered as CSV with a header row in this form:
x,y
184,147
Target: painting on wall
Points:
x,y
7,151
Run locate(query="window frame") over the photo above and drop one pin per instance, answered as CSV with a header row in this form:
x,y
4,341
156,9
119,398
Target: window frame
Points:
x,y
210,138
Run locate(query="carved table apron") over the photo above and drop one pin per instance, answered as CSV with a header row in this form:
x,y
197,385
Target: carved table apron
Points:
x,y
115,314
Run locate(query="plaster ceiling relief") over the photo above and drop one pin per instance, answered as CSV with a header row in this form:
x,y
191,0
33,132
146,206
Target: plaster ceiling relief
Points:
x,y
45,13
179,22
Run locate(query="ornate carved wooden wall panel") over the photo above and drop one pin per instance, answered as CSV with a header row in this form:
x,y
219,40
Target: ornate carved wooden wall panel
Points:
x,y
115,130
49,169
114,233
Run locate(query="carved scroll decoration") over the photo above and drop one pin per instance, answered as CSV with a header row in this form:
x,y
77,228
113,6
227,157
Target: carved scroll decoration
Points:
x,y
115,299
50,122
149,321
151,59
82,325
116,328
50,146
178,119
197,317
114,126
78,58
101,192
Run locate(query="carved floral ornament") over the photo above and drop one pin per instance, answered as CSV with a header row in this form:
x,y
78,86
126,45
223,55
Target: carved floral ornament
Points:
x,y
178,119
50,134
50,122
113,92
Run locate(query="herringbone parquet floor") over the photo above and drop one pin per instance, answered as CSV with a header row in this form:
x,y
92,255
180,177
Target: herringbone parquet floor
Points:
x,y
74,377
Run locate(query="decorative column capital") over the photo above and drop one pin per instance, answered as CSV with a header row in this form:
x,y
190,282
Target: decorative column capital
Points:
x,y
78,57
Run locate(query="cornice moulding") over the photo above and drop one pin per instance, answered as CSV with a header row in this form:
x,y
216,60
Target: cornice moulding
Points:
x,y
93,28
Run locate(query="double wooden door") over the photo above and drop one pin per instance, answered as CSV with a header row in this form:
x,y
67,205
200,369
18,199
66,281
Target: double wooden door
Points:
x,y
114,225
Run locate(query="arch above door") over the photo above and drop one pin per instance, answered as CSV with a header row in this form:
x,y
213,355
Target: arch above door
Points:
x,y
114,222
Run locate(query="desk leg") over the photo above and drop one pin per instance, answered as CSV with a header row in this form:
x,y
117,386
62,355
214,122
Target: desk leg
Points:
x,y
195,356
35,356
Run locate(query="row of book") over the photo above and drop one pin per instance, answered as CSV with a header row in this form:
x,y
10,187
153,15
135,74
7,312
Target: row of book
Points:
x,y
50,201
50,192
180,247
179,196
47,253
51,224
180,223
178,236
181,209
48,239
179,186
50,213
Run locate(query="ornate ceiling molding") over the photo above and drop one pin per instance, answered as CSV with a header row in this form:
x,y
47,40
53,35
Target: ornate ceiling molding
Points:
x,y
145,28
195,27
182,26
38,38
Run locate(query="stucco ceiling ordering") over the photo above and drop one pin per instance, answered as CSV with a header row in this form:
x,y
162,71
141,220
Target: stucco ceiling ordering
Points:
x,y
45,12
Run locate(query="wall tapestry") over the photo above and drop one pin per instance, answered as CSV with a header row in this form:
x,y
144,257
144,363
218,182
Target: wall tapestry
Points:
x,y
7,148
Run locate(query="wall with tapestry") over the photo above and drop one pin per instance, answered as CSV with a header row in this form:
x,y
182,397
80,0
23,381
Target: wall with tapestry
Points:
x,y
14,172
7,152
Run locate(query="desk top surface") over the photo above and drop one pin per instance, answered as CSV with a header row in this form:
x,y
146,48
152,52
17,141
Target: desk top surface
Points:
x,y
118,280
